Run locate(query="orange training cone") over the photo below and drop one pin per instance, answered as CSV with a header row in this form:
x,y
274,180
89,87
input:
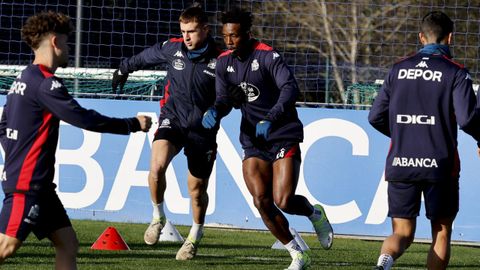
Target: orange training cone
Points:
x,y
110,239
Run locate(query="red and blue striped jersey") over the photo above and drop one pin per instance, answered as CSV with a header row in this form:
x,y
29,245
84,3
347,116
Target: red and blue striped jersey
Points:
x,y
36,102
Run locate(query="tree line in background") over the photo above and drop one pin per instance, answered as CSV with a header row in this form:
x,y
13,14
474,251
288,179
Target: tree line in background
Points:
x,y
333,45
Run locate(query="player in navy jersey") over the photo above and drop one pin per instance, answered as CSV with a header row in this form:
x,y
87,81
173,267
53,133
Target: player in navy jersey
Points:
x,y
423,99
36,102
189,92
254,77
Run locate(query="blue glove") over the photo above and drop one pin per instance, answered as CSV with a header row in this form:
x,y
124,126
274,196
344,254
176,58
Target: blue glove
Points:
x,y
209,119
263,128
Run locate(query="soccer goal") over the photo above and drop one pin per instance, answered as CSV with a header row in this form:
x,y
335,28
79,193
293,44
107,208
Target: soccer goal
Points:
x,y
97,82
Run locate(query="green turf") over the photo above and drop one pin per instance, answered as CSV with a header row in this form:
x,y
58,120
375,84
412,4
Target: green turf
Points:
x,y
222,249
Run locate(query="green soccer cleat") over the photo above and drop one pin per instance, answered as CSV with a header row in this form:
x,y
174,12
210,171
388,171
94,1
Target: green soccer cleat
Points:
x,y
323,229
301,261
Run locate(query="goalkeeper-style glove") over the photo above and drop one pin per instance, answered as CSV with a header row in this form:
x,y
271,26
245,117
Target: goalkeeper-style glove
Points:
x,y
119,79
263,129
209,119
237,95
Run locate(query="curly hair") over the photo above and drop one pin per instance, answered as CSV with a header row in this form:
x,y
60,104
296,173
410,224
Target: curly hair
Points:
x,y
240,16
41,24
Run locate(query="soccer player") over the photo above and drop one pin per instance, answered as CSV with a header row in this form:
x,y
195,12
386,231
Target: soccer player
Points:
x,y
36,102
189,92
270,130
423,99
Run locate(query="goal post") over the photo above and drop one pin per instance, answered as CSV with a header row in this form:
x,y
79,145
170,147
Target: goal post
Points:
x,y
96,82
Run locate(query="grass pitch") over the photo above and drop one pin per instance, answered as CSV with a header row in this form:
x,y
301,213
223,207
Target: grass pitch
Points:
x,y
222,249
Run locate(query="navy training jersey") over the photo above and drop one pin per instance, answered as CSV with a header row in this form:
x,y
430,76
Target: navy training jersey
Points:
x,y
419,106
190,87
36,102
271,91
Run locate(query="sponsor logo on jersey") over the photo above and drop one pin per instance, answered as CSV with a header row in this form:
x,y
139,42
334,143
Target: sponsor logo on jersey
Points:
x,y
178,64
230,69
212,64
178,54
17,88
12,134
415,119
209,73
422,64
255,65
55,84
165,123
413,74
414,162
250,90
275,55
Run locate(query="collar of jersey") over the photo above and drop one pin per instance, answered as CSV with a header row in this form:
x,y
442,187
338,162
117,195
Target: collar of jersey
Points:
x,y
436,48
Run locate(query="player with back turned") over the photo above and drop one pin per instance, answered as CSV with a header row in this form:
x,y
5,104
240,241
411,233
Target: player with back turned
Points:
x,y
254,77
423,99
189,92
36,102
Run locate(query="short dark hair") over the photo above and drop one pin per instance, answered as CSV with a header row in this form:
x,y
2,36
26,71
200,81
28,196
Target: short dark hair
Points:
x,y
194,13
240,16
437,25
43,23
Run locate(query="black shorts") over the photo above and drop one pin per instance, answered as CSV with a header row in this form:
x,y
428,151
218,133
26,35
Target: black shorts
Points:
x,y
441,199
41,213
200,149
274,152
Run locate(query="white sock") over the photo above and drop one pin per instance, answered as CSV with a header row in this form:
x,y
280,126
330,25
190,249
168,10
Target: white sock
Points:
x,y
386,261
316,215
157,210
293,248
196,232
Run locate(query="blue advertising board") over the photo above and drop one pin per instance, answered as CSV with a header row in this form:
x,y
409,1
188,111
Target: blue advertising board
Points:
x,y
104,176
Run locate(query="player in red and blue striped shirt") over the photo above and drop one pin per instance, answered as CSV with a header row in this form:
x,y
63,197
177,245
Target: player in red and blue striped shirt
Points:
x,y
36,102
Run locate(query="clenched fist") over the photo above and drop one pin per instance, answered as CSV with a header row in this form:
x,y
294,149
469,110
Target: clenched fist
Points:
x,y
145,122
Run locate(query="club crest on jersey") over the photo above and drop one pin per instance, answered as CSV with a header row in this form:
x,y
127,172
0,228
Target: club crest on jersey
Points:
x,y
250,90
178,54
212,64
55,84
178,64
255,65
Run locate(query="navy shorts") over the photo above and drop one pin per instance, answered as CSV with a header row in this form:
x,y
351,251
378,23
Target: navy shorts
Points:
x,y
274,152
441,199
41,214
200,150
